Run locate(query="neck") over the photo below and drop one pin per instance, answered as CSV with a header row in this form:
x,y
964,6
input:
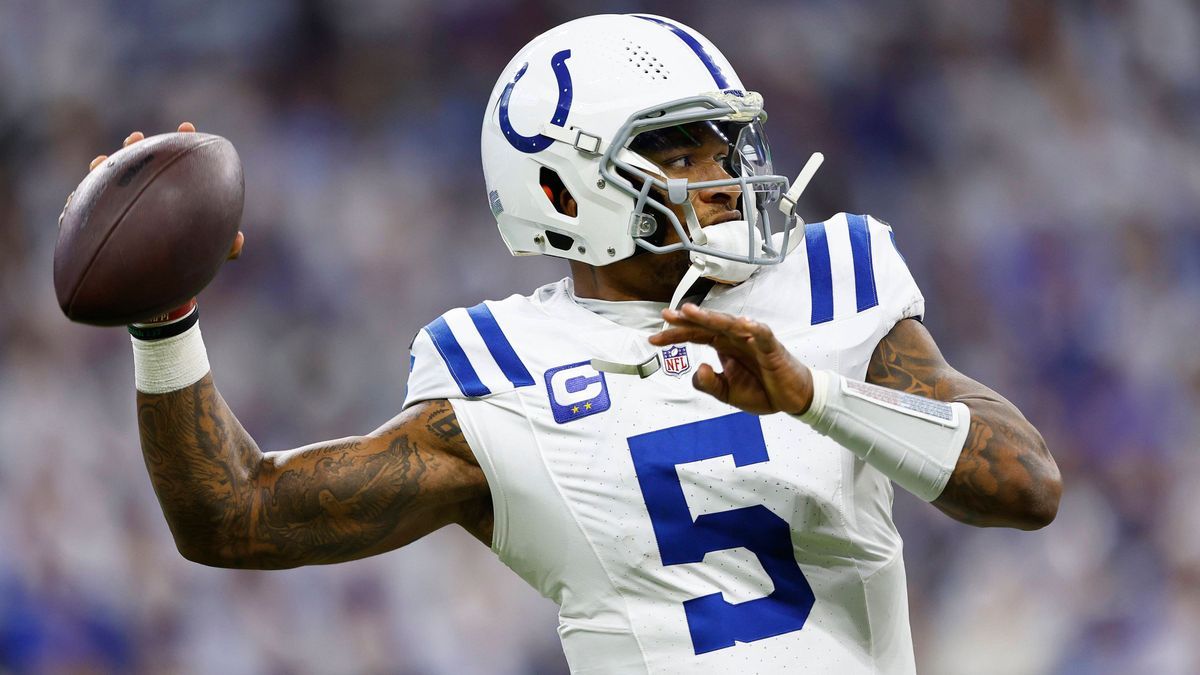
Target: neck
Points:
x,y
594,282
642,277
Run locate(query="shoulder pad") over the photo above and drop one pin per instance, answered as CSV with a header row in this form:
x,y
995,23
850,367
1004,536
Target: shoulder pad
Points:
x,y
464,353
854,266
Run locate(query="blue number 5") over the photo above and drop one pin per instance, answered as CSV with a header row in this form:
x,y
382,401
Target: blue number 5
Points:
x,y
713,622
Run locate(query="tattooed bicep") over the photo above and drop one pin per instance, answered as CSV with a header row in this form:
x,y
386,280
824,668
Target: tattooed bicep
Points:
x,y
442,422
341,500
907,359
436,423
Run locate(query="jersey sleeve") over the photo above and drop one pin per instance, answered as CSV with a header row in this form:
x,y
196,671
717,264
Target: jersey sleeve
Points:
x,y
464,354
899,294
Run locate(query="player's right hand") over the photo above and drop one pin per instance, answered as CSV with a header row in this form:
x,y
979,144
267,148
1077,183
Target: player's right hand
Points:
x,y
186,128
758,374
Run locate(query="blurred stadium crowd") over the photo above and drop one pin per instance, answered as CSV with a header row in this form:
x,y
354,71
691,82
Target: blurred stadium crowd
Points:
x,y
1040,163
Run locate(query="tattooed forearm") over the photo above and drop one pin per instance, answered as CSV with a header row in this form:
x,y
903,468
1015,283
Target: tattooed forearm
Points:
x,y
199,462
229,504
1005,475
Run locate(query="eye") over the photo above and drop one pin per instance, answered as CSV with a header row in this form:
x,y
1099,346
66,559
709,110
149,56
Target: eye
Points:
x,y
680,162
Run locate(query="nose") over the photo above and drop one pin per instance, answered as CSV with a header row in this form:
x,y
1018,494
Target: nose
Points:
x,y
726,194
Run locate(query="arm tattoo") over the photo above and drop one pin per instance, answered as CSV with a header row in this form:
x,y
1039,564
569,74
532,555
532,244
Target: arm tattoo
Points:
x,y
334,500
445,426
894,366
227,503
1005,475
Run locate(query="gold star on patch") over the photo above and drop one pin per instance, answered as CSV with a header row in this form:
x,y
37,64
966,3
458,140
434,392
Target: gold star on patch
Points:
x,y
588,405
575,409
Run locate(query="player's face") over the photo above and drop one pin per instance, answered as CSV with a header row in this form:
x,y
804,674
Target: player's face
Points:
x,y
697,152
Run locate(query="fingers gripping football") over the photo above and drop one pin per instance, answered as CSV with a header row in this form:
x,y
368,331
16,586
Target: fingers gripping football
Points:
x,y
757,374
184,128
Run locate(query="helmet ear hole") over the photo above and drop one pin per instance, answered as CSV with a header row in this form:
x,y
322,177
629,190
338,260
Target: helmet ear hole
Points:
x,y
562,201
558,193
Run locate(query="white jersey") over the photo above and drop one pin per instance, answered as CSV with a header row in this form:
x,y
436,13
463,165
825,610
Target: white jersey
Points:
x,y
676,533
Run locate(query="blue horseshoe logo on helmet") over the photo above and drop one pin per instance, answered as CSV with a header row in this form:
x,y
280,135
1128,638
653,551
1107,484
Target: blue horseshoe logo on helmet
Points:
x,y
539,142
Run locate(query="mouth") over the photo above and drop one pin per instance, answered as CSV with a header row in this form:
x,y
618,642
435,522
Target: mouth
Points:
x,y
725,218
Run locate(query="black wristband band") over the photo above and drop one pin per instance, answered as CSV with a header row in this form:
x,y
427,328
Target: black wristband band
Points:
x,y
163,331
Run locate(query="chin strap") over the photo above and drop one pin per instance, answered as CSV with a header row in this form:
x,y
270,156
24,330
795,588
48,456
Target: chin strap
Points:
x,y
689,279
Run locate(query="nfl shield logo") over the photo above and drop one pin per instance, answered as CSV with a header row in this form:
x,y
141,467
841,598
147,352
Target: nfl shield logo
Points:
x,y
675,360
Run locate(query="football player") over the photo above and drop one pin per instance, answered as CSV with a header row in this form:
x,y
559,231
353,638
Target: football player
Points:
x,y
708,495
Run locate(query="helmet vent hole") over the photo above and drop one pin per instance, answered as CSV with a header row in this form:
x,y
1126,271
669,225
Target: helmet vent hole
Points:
x,y
644,61
559,241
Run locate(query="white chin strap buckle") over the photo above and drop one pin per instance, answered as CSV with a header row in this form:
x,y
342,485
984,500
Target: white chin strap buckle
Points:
x,y
787,203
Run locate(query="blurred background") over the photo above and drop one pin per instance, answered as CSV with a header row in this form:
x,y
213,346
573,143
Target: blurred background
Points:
x,y
1039,162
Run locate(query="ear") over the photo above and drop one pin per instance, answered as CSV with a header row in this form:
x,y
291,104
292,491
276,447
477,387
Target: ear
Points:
x,y
568,205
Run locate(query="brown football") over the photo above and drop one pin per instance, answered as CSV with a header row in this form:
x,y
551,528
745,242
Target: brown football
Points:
x,y
148,229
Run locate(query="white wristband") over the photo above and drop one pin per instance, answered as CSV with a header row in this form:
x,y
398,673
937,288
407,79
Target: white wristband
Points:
x,y
914,441
160,366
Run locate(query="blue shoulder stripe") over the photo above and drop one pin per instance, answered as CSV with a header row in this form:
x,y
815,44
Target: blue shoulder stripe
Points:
x,y
456,359
820,276
864,273
501,349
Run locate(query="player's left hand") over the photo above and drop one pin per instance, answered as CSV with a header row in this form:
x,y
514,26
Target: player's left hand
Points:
x,y
758,374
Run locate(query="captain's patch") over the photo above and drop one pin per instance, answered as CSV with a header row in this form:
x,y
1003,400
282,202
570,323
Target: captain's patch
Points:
x,y
576,390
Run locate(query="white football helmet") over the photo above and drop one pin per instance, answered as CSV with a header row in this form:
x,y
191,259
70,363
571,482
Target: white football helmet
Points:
x,y
567,108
